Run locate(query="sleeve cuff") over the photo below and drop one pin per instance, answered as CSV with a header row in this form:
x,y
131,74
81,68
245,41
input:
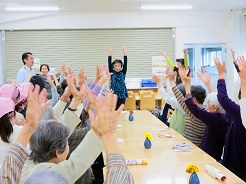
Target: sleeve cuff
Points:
x,y
115,159
187,96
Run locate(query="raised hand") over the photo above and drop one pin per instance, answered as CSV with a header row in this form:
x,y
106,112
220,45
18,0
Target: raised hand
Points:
x,y
91,96
64,69
157,79
185,51
124,51
183,75
81,77
104,73
35,106
14,83
172,75
241,63
49,79
232,52
98,74
110,51
233,55
203,76
54,73
77,95
163,53
105,121
221,68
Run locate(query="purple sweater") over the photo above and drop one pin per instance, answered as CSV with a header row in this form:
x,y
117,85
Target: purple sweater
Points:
x,y
96,90
217,125
235,143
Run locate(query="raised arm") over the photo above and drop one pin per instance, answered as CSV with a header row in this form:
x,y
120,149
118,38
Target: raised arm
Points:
x,y
55,96
106,122
124,70
186,62
110,52
168,99
179,96
232,109
241,64
199,113
234,60
169,61
205,79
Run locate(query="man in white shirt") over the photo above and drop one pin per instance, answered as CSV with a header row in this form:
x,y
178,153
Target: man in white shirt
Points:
x,y
26,72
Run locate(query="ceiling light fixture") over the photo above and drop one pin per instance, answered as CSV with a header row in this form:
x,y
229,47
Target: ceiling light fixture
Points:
x,y
145,7
26,8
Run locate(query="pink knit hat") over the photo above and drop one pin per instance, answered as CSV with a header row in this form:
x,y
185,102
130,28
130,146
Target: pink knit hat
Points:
x,y
23,95
6,105
9,91
24,87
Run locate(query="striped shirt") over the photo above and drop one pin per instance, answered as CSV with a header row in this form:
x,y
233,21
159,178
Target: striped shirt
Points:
x,y
117,171
13,163
194,128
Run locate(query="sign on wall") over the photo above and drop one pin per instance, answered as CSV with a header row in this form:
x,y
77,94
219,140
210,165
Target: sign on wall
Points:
x,y
159,66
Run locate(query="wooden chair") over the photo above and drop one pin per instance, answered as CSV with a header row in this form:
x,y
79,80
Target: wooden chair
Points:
x,y
147,101
130,92
169,113
145,92
130,102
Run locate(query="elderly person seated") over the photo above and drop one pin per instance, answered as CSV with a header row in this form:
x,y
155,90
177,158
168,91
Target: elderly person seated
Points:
x,y
49,142
217,122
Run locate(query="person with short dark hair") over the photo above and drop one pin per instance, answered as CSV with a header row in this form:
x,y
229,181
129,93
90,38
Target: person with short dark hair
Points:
x,y
194,128
26,72
117,82
180,63
8,132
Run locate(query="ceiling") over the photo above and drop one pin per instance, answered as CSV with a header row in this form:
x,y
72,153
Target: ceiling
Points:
x,y
126,5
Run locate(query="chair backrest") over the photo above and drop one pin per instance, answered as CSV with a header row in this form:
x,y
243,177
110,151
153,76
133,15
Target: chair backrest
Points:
x,y
130,92
130,102
147,101
145,92
169,113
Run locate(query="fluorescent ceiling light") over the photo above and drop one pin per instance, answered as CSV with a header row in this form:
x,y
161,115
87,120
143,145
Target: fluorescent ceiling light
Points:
x,y
26,8
166,7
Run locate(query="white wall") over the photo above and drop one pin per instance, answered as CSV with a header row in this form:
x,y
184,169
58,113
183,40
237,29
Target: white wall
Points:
x,y
191,27
2,63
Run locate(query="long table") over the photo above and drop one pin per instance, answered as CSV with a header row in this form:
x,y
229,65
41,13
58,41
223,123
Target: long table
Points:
x,y
164,164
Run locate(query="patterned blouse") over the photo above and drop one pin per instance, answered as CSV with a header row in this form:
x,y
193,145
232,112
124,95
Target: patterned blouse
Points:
x,y
117,82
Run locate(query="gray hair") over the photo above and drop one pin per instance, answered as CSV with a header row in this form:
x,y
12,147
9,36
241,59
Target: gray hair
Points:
x,y
47,177
181,88
47,114
49,137
213,100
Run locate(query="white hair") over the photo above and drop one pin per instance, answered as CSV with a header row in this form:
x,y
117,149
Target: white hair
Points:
x,y
213,100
